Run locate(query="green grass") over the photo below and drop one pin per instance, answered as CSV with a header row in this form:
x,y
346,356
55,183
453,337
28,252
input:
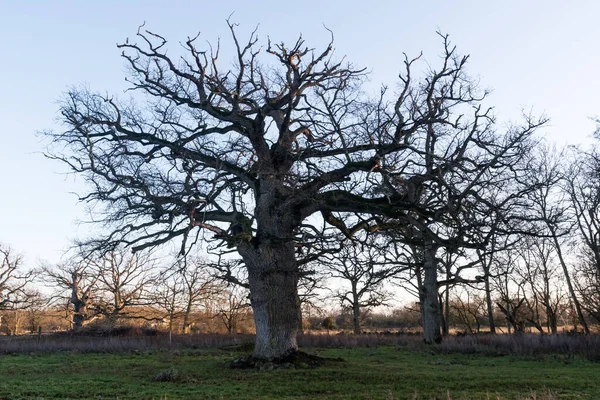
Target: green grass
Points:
x,y
367,373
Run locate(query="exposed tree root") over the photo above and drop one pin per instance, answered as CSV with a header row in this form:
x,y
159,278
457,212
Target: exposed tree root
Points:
x,y
297,359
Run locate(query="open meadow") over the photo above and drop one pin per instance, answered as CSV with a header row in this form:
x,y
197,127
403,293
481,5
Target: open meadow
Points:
x,y
371,367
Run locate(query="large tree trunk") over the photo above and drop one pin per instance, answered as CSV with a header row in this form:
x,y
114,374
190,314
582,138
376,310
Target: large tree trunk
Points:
x,y
270,258
273,277
430,306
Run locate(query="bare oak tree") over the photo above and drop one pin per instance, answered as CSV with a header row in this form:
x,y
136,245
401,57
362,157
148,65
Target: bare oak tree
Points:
x,y
582,184
182,291
558,215
362,269
13,280
76,283
469,309
461,181
232,305
124,280
541,283
250,152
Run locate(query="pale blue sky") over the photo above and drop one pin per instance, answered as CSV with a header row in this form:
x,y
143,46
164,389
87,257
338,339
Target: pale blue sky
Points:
x,y
540,55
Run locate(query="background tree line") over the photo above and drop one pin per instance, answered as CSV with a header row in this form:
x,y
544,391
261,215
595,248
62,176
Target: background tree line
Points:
x,y
538,280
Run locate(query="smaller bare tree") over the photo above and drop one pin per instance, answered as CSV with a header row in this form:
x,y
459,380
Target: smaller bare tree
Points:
x,y
361,266
12,279
198,286
541,285
125,280
75,284
469,309
182,289
14,292
233,306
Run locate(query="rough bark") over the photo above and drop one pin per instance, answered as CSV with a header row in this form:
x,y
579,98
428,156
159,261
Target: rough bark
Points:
x,y
430,306
273,278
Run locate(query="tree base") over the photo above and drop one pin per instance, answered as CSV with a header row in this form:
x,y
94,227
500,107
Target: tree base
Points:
x,y
295,360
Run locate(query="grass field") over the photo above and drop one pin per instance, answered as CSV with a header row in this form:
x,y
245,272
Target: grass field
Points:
x,y
384,372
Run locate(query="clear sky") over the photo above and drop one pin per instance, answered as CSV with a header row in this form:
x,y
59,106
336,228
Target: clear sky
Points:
x,y
534,55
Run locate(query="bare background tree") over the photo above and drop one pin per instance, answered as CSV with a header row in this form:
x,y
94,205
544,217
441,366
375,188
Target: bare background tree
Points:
x,y
362,269
13,279
124,281
76,287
